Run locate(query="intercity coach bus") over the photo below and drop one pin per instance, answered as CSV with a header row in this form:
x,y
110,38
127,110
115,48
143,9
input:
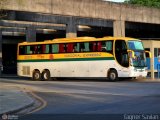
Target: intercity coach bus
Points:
x,y
82,57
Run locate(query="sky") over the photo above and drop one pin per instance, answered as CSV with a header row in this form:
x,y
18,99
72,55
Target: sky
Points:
x,y
115,0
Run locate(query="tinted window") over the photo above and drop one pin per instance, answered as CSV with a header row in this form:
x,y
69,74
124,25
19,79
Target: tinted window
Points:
x,y
70,47
55,48
107,46
135,45
76,47
62,48
22,50
45,49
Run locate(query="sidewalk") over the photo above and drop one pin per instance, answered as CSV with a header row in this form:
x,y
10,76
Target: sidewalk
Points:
x,y
13,99
147,80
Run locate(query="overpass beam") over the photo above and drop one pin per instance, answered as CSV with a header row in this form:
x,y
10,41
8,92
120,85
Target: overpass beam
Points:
x,y
30,34
71,29
0,53
119,28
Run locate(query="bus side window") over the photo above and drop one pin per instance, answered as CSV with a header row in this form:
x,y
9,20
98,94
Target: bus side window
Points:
x,y
55,48
32,51
28,50
70,47
35,49
92,46
107,46
86,45
22,50
82,47
39,49
103,47
99,46
45,49
65,45
61,48
76,47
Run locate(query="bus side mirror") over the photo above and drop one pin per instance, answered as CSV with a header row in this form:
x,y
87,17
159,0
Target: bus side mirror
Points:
x,y
148,54
131,53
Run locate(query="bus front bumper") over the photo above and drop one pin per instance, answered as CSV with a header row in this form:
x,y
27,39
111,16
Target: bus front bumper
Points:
x,y
138,73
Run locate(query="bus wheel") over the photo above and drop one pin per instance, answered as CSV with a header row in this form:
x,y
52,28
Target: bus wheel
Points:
x,y
36,75
46,75
112,75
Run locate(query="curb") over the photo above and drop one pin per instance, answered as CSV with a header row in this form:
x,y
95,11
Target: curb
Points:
x,y
21,108
147,80
37,104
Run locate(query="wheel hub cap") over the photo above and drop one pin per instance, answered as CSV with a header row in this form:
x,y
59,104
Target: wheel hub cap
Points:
x,y
113,76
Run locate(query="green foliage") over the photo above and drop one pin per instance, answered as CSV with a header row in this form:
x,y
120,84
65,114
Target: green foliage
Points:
x,y
149,3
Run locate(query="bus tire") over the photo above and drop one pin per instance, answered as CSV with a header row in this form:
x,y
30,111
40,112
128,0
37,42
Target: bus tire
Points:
x,y
36,75
113,75
46,75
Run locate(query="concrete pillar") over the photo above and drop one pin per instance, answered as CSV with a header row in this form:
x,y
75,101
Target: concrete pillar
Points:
x,y
152,60
0,52
71,29
71,35
30,34
119,28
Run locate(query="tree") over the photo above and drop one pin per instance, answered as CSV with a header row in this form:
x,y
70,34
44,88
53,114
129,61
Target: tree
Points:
x,y
149,3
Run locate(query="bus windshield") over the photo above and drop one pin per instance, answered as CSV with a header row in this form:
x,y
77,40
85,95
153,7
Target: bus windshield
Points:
x,y
135,45
140,59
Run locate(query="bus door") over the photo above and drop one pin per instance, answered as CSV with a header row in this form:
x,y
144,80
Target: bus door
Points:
x,y
121,54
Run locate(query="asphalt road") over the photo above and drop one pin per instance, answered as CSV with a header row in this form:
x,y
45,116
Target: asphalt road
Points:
x,y
93,99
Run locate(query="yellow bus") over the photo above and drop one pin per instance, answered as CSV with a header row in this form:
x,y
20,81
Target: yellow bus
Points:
x,y
83,57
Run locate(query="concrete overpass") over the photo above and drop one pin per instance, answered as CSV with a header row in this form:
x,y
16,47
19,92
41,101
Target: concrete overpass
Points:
x,y
91,9
29,16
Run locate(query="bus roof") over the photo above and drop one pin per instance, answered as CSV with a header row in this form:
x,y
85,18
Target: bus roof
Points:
x,y
77,39
117,38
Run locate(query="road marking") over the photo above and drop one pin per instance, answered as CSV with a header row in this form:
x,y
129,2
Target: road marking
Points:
x,y
43,103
